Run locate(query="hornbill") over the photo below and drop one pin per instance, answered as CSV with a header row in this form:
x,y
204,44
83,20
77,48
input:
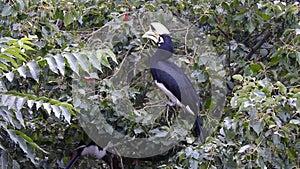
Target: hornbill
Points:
x,y
169,77
90,149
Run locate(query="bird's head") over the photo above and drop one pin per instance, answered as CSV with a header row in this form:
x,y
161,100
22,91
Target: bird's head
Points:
x,y
160,35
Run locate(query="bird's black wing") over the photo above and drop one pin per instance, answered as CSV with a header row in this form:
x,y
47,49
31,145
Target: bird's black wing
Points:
x,y
167,80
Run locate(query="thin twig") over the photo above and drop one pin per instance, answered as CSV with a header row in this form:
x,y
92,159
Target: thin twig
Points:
x,y
140,22
253,50
185,41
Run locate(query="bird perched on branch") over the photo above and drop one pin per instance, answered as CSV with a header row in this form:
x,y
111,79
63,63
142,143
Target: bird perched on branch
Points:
x,y
169,77
82,150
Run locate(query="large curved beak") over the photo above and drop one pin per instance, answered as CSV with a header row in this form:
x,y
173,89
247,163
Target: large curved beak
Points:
x,y
156,29
151,35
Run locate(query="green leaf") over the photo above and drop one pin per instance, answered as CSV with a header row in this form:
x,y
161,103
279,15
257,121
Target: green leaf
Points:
x,y
250,26
68,18
22,71
244,148
255,67
22,144
83,62
238,77
294,121
264,52
29,141
65,113
105,61
298,56
15,52
47,107
291,153
20,103
6,10
281,87
26,47
34,70
258,126
19,117
56,110
95,62
112,55
10,102
274,61
239,17
10,59
30,103
9,76
265,16
52,64
60,63
3,67
72,62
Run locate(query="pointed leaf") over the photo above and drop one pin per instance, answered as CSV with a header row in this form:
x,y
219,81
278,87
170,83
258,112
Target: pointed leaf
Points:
x,y
281,87
105,61
9,76
56,110
4,97
20,103
30,103
16,52
72,62
30,141
9,59
10,102
4,116
60,63
22,71
95,62
22,144
26,47
47,107
3,67
258,126
244,148
250,26
52,64
82,60
38,104
68,18
34,70
9,116
66,114
19,117
112,55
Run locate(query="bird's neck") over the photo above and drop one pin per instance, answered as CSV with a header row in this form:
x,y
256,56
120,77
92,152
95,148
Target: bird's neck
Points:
x,y
160,55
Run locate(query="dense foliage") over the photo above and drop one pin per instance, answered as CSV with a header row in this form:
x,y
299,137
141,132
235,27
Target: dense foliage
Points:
x,y
252,49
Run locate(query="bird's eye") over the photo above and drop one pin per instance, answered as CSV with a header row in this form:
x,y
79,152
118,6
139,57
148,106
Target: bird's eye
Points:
x,y
160,41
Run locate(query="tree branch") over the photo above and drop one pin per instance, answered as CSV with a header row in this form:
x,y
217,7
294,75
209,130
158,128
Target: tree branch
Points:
x,y
253,50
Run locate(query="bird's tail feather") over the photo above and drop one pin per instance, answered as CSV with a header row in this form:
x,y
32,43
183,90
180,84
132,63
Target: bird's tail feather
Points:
x,y
72,161
199,129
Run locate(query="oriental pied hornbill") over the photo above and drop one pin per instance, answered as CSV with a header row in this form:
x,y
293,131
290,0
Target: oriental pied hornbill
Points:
x,y
90,149
169,77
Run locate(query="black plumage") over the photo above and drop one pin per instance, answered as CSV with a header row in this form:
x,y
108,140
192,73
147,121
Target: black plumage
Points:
x,y
169,77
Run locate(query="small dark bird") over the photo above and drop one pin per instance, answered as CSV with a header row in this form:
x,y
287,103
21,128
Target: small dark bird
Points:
x,y
169,77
